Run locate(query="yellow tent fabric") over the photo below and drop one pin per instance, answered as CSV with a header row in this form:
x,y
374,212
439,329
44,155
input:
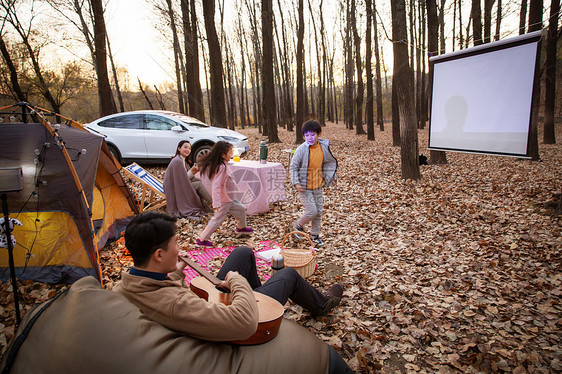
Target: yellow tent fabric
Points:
x,y
52,238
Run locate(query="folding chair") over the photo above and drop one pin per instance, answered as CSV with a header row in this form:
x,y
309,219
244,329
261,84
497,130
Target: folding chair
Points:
x,y
157,198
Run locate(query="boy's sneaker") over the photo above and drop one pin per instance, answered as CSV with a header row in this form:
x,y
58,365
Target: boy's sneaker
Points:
x,y
244,231
298,237
317,241
204,243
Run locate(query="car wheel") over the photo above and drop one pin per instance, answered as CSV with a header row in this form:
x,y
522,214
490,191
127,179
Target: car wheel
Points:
x,y
200,152
114,152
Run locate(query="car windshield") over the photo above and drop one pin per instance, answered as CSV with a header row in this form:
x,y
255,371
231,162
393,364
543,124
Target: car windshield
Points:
x,y
188,120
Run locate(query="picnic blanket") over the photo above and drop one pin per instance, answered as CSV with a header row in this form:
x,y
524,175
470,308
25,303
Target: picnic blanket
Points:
x,y
212,259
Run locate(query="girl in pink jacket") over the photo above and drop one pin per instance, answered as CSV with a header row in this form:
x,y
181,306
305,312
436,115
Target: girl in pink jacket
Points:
x,y
224,192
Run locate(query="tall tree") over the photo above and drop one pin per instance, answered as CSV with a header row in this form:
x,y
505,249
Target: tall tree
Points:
x,y
488,5
19,94
107,105
535,24
349,82
522,17
549,136
378,81
300,78
476,13
360,94
402,80
218,108
178,60
269,111
435,157
192,81
498,20
369,104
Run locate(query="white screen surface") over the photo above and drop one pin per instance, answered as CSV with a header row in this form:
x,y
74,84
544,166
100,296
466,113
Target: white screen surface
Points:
x,y
482,102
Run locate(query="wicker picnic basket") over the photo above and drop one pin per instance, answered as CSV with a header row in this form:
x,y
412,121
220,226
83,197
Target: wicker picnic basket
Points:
x,y
302,260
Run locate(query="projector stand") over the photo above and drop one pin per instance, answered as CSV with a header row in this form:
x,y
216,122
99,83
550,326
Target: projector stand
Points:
x,y
11,255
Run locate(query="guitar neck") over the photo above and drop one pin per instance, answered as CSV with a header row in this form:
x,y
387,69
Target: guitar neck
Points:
x,y
195,266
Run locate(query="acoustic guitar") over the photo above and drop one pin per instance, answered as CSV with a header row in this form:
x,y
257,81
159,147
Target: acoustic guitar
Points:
x,y
270,311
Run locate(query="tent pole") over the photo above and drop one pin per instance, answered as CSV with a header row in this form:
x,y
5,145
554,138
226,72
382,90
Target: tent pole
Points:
x,y
11,255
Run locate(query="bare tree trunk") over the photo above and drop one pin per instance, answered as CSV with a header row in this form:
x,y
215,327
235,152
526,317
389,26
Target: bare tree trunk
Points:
x,y
488,5
177,56
349,85
378,81
522,17
535,24
461,43
194,93
369,105
323,79
435,157
498,20
107,105
402,81
269,110
549,136
218,109
285,68
360,94
231,98
141,88
423,89
476,22
442,26
242,86
395,113
158,95
300,84
418,71
115,79
19,95
199,111
257,63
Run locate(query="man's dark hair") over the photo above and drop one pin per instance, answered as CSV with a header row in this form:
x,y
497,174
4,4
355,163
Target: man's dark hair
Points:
x,y
146,233
311,125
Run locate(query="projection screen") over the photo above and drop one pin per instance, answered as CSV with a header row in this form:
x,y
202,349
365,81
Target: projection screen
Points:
x,y
481,97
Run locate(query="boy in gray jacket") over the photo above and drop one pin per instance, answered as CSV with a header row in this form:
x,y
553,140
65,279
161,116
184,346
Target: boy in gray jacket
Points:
x,y
313,167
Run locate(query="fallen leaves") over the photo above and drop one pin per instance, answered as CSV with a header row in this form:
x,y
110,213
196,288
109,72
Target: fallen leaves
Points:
x,y
458,272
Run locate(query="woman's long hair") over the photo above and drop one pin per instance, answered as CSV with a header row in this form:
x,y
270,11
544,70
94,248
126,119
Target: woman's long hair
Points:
x,y
211,163
180,144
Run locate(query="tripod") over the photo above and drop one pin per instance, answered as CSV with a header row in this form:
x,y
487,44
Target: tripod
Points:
x,y
11,255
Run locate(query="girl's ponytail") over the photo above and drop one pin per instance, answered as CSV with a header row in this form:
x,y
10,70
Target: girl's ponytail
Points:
x,y
211,163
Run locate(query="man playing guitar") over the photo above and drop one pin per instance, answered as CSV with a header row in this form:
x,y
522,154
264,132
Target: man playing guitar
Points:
x,y
156,284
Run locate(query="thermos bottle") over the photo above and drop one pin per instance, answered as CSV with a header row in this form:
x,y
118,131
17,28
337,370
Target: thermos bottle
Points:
x,y
263,152
277,263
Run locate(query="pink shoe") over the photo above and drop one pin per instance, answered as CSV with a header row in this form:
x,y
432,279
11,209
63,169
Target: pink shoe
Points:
x,y
204,243
244,231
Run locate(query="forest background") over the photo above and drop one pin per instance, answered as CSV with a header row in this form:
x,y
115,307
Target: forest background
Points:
x,y
268,63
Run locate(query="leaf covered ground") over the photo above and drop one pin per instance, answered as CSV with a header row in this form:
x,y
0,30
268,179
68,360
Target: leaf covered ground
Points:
x,y
459,271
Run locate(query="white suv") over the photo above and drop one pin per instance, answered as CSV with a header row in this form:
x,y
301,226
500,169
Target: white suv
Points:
x,y
151,136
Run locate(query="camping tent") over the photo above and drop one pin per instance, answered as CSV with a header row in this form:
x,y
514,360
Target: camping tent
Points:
x,y
73,198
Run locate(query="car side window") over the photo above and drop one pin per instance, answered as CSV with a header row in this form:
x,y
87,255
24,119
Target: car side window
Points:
x,y
154,122
123,122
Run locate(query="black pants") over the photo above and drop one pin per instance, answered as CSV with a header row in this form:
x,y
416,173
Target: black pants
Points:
x,y
283,285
